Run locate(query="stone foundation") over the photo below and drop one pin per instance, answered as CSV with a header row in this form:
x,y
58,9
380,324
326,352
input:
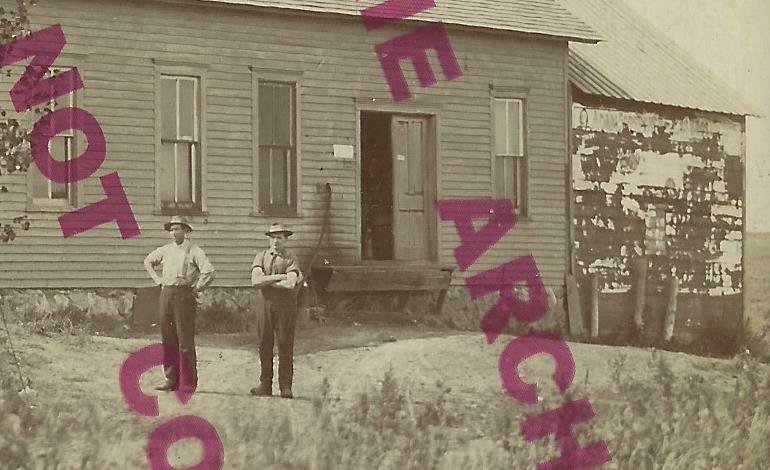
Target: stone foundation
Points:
x,y
459,310
467,313
226,310
35,304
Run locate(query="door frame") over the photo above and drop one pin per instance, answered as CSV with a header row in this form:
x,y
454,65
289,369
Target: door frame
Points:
x,y
433,113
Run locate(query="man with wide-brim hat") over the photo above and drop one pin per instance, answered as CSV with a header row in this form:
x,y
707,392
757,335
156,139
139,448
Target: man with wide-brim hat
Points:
x,y
177,220
185,271
276,272
278,228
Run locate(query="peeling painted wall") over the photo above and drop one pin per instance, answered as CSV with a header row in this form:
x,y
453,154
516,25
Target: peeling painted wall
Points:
x,y
667,188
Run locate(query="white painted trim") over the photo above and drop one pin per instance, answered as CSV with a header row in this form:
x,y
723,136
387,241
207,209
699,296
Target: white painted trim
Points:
x,y
163,67
295,78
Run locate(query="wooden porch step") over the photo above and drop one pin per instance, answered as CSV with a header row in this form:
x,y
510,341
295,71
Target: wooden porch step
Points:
x,y
383,278
376,278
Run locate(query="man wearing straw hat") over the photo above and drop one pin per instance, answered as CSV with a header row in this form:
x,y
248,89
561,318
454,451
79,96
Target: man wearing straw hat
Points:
x,y
276,272
186,271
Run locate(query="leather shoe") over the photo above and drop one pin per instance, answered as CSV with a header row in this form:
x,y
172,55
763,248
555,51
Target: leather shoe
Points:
x,y
166,387
264,390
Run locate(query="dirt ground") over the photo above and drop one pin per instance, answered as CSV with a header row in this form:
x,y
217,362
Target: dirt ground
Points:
x,y
354,354
351,356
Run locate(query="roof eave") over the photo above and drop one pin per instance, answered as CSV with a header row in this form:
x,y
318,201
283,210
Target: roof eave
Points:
x,y
732,112
592,38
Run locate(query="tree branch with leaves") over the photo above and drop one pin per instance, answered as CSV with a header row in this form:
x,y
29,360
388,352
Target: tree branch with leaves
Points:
x,y
15,155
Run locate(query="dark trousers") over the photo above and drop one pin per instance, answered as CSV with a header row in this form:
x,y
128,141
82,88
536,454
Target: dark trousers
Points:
x,y
177,329
277,320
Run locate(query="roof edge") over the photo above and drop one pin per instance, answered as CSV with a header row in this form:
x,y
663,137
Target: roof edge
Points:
x,y
611,82
678,51
586,39
667,105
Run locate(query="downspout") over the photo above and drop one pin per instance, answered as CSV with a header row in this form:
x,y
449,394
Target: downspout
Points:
x,y
325,229
570,261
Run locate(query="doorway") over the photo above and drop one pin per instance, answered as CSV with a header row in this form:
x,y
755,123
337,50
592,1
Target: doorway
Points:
x,y
398,187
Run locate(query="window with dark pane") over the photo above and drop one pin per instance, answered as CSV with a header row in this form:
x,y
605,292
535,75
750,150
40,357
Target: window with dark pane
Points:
x,y
180,160
510,155
63,149
277,146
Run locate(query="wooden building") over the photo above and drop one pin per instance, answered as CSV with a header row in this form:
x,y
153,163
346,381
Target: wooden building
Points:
x,y
239,112
658,180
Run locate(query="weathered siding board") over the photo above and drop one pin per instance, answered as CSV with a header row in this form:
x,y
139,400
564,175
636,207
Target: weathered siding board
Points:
x,y
336,57
652,184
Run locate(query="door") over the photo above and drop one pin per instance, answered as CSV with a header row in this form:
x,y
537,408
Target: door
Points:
x,y
410,188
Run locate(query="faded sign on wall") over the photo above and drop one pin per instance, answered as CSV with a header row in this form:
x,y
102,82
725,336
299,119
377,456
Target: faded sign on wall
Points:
x,y
670,189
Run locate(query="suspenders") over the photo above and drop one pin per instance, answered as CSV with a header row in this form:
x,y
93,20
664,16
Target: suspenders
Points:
x,y
184,260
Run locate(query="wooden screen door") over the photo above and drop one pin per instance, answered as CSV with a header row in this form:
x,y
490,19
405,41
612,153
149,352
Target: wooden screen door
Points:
x,y
411,190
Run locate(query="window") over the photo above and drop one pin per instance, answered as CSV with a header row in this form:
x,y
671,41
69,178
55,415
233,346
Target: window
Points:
x,y
510,151
180,165
45,193
277,147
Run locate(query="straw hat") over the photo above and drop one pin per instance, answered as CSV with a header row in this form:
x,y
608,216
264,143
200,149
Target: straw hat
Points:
x,y
278,228
177,220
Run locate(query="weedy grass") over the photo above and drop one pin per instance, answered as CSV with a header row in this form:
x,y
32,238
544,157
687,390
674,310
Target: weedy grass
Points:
x,y
686,422
666,422
650,418
64,434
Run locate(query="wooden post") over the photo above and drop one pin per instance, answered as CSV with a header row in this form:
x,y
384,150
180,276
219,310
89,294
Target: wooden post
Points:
x,y
446,275
668,327
573,306
641,287
439,302
594,305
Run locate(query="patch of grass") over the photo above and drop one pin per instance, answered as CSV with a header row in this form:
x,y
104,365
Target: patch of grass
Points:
x,y
757,343
58,431
649,418
63,433
673,422
666,422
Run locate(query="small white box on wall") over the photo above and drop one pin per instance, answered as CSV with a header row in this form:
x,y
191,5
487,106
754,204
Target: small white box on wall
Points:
x,y
344,152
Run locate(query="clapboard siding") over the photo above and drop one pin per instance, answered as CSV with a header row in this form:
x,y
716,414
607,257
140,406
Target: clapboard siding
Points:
x,y
118,42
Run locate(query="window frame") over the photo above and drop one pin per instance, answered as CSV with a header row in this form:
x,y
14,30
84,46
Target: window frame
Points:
x,y
521,206
294,78
77,98
199,71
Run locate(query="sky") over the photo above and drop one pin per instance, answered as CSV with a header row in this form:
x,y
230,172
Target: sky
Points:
x,y
730,37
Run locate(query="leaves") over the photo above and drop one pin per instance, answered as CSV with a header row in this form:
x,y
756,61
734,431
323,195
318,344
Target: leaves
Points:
x,y
15,155
8,231
14,137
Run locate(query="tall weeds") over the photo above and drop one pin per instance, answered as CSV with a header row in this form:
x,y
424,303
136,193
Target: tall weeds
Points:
x,y
651,418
